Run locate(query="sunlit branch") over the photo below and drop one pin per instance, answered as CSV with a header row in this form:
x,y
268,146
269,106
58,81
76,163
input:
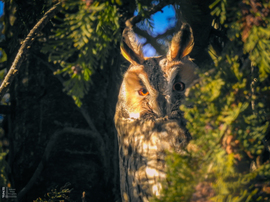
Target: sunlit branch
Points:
x,y
14,69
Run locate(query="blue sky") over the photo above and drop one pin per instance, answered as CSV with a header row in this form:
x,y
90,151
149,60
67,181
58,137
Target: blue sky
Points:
x,y
161,23
1,8
161,19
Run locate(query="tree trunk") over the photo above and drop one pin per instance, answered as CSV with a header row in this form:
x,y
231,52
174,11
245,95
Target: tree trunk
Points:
x,y
51,142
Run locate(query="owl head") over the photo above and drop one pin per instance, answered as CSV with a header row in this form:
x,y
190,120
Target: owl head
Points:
x,y
155,86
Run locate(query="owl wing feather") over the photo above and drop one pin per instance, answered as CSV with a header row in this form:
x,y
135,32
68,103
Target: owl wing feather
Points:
x,y
144,130
142,154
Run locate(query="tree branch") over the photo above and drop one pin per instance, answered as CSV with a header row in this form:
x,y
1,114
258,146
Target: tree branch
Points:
x,y
169,31
135,19
153,40
149,39
13,71
88,119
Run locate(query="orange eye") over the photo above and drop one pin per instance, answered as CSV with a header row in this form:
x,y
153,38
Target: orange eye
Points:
x,y
179,86
143,92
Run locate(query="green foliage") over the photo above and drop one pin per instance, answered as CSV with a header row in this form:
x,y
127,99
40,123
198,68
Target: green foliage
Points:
x,y
179,174
241,18
258,47
3,56
229,119
84,38
219,10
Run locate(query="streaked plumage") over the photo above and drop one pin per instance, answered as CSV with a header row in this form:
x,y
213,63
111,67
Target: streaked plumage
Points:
x,y
147,118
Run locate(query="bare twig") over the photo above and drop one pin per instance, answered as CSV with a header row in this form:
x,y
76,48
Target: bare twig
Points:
x,y
253,85
13,71
149,39
83,197
169,31
46,155
135,19
88,119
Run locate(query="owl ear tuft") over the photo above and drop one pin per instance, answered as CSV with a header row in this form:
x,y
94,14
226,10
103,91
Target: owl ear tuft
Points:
x,y
182,43
130,49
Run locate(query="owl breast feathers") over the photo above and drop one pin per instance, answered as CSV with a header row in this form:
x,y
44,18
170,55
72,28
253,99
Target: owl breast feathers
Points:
x,y
148,119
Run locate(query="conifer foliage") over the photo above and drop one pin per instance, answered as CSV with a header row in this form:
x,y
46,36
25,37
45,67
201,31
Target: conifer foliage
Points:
x,y
84,35
228,158
228,115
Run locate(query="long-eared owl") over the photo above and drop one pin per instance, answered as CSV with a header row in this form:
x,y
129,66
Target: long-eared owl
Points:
x,y
148,119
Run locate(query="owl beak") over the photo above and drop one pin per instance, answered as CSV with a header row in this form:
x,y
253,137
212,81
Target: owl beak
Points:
x,y
161,106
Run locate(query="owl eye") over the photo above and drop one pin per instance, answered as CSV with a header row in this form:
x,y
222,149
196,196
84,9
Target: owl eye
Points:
x,y
179,86
143,92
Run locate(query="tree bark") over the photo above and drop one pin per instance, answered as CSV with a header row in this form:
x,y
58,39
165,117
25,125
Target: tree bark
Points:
x,y
26,44
40,108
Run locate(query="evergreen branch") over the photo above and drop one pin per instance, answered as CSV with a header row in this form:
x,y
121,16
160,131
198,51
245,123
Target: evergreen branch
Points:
x,y
13,71
135,19
46,155
198,80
